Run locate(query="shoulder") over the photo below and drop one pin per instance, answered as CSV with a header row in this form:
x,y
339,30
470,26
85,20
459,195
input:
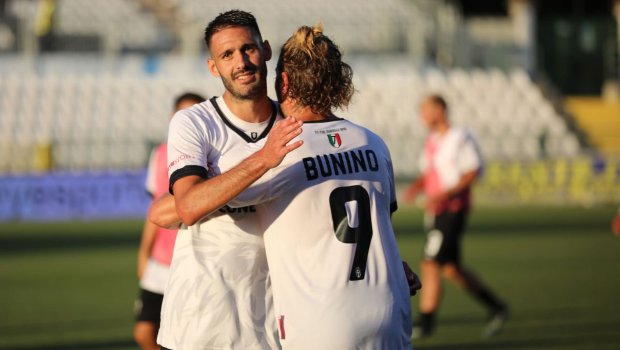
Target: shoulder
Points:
x,y
353,127
462,134
200,112
371,137
198,118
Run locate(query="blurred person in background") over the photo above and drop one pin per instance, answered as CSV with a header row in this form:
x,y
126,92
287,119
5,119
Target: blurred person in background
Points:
x,y
450,163
45,23
156,245
615,224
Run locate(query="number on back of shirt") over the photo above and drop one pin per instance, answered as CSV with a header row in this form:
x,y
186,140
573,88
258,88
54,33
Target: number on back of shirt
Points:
x,y
350,207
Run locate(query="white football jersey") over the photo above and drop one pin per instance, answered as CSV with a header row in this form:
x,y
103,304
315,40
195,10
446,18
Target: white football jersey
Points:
x,y
218,294
336,272
456,153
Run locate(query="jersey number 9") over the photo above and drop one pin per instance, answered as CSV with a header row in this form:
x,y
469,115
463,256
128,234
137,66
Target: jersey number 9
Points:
x,y
350,207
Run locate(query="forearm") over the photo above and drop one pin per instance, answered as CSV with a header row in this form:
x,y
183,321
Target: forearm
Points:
x,y
147,239
464,182
209,195
196,198
163,213
415,187
143,258
417,184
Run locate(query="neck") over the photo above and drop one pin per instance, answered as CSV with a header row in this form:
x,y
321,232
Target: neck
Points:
x,y
305,114
442,128
251,111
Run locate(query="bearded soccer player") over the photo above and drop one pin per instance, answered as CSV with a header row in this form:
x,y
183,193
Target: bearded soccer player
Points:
x,y
338,280
218,294
450,163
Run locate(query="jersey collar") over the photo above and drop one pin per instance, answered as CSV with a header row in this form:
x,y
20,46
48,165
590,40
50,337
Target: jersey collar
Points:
x,y
240,132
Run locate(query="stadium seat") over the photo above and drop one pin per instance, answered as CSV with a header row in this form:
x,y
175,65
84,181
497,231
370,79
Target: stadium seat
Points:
x,y
74,100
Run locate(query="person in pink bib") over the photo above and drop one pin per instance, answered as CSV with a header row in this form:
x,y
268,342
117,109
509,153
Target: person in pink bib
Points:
x,y
156,246
449,165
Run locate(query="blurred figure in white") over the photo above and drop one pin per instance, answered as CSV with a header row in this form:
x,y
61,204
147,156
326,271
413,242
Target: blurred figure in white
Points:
x,y
449,164
156,246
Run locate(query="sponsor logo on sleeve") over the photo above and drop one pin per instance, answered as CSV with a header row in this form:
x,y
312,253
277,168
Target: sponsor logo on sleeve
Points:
x,y
179,159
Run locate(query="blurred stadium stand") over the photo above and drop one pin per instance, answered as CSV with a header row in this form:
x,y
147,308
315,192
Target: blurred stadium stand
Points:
x,y
104,107
87,85
119,24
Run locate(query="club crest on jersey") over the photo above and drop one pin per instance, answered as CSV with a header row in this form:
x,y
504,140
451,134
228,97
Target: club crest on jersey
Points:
x,y
254,135
334,140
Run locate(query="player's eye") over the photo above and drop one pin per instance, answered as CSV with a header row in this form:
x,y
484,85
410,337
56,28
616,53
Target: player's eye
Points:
x,y
227,55
250,49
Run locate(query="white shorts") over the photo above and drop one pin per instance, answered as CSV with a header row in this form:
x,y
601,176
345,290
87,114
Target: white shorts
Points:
x,y
155,276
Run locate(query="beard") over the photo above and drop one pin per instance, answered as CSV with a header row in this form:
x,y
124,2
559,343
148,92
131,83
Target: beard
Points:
x,y
251,91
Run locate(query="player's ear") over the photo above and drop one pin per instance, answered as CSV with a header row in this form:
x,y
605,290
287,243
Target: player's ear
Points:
x,y
267,50
284,84
213,67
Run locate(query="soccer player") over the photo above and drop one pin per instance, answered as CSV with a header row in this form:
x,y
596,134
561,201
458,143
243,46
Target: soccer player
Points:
x,y
450,163
156,246
615,224
338,280
218,295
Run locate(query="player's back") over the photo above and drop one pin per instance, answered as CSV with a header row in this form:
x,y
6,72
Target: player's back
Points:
x,y
337,276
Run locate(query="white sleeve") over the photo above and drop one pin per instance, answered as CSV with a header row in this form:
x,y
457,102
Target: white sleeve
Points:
x,y
187,148
469,157
390,167
272,184
150,183
258,192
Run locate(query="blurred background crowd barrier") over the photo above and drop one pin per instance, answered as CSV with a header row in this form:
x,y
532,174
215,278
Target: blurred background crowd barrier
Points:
x,y
86,86
73,196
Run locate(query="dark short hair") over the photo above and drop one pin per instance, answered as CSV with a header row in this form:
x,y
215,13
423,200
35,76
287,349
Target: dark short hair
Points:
x,y
191,96
438,100
232,18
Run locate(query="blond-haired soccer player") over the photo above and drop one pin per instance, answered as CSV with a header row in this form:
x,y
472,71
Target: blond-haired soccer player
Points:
x,y
156,245
337,276
450,163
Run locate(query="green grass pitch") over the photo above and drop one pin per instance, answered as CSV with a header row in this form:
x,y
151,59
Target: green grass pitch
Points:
x,y
72,285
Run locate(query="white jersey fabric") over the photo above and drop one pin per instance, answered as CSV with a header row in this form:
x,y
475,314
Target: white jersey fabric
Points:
x,y
337,276
150,184
456,153
218,294
155,276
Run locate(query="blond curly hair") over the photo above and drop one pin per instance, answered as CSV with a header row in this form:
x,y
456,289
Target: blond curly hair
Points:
x,y
317,76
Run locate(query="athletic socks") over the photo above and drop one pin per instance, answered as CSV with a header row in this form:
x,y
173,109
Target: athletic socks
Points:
x,y
487,298
427,321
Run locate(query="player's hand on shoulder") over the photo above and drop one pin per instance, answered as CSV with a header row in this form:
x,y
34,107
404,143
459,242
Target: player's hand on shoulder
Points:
x,y
279,144
412,279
